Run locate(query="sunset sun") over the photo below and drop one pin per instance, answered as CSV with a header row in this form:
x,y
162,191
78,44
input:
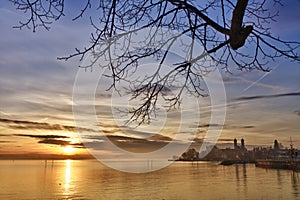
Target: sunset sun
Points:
x,y
68,150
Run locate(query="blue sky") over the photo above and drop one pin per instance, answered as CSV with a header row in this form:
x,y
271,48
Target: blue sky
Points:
x,y
36,87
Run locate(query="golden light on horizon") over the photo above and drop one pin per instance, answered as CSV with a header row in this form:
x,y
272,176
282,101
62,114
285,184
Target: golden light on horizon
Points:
x,y
68,150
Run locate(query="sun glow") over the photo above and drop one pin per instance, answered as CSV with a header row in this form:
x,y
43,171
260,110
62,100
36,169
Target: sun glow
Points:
x,y
68,150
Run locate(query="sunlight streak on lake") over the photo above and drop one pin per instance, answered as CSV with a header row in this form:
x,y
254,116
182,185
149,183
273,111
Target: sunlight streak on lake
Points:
x,y
68,174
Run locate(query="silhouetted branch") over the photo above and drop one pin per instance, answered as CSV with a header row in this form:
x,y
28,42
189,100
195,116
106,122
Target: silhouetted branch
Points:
x,y
41,12
222,27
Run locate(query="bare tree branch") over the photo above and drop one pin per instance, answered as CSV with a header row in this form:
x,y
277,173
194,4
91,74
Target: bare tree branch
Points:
x,y
41,13
232,33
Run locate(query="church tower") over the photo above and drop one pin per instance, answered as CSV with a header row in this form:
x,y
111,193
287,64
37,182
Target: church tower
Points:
x,y
242,143
235,143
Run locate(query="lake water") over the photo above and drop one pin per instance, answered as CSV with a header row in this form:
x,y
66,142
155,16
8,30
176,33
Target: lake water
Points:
x,y
92,180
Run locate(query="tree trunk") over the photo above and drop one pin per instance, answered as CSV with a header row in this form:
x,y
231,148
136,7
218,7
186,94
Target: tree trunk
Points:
x,y
238,33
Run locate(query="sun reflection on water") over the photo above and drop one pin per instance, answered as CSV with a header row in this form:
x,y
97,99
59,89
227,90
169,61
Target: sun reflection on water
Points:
x,y
68,174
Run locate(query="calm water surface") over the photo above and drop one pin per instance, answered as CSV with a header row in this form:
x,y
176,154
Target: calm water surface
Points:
x,y
92,180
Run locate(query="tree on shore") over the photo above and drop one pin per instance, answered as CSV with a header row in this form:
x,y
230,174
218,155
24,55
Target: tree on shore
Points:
x,y
233,33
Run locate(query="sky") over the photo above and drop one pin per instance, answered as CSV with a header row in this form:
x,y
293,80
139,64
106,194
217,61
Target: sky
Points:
x,y
36,90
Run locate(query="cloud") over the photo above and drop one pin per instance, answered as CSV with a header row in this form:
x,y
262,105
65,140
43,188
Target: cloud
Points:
x,y
139,133
61,143
246,98
139,145
103,95
297,112
242,78
248,127
21,124
159,137
225,140
133,140
42,136
110,129
209,125
225,126
2,141
125,142
156,137
52,139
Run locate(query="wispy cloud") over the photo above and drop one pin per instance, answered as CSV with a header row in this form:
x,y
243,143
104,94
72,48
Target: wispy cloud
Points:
x,y
248,127
22,124
156,137
225,140
54,141
124,137
210,125
297,112
61,143
3,141
42,136
246,98
129,143
60,140
252,83
225,126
